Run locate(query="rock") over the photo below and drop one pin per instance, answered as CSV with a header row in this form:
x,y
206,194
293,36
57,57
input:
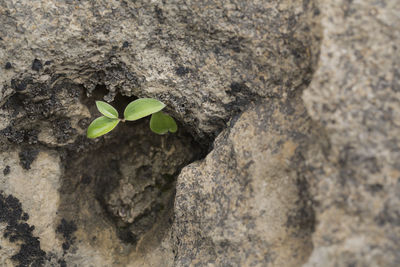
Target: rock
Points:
x,y
291,179
112,198
204,60
247,203
354,94
29,201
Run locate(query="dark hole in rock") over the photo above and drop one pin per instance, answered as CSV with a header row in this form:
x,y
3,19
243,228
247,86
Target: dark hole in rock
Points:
x,y
119,102
126,178
122,183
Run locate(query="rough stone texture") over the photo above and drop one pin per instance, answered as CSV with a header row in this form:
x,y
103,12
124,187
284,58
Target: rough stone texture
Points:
x,y
148,168
291,180
123,191
205,60
355,95
37,190
246,203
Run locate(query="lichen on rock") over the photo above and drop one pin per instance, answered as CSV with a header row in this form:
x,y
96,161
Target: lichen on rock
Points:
x,y
287,153
251,193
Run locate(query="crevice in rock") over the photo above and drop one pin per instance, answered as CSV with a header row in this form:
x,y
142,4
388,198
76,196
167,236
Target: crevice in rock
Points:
x,y
125,179
122,184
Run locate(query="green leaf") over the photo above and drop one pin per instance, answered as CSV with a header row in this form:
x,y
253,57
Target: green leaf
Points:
x,y
161,123
141,108
107,110
101,126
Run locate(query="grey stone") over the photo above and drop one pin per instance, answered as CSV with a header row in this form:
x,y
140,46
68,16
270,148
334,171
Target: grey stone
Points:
x,y
354,94
292,178
205,60
247,203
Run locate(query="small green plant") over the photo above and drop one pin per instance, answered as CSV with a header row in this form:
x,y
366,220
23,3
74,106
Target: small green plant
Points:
x,y
160,123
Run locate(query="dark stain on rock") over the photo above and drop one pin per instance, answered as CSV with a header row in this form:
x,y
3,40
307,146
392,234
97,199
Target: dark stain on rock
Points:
x,y
374,188
25,216
370,163
304,216
84,123
19,86
234,44
36,104
233,120
26,157
243,96
8,66
67,229
63,130
292,22
18,231
316,12
125,44
29,136
37,65
182,71
48,62
62,263
39,89
239,88
14,136
159,14
287,108
389,215
125,235
6,170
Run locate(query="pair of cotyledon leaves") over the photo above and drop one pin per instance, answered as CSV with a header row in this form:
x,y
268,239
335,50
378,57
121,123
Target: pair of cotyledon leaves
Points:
x,y
160,122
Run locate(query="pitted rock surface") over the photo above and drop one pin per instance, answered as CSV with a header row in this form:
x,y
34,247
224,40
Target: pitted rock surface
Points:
x,y
301,96
247,203
193,55
355,95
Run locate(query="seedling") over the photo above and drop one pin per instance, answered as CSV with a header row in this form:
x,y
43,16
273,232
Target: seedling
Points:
x,y
160,123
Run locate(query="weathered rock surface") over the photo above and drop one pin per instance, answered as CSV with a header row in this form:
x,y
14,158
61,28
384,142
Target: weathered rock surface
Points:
x,y
206,60
28,208
247,202
355,95
112,200
293,179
